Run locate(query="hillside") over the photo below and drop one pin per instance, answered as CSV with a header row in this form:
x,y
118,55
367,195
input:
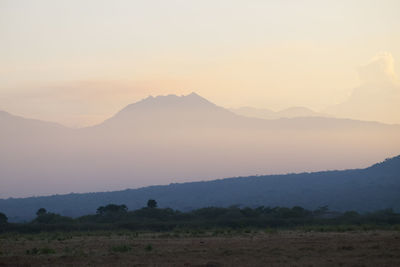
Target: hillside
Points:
x,y
369,189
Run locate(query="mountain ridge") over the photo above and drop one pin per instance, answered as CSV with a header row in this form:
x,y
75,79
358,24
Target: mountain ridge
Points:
x,y
290,112
179,143
151,102
368,189
186,107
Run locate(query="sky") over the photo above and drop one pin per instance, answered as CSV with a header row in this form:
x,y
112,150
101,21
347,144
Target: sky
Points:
x,y
78,62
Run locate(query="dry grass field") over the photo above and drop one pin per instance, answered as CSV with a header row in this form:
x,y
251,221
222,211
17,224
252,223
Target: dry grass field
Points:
x,y
282,248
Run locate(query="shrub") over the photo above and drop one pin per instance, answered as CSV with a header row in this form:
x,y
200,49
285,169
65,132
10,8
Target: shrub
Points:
x,y
121,248
44,251
3,218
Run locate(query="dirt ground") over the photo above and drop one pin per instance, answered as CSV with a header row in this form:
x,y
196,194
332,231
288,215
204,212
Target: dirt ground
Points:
x,y
284,248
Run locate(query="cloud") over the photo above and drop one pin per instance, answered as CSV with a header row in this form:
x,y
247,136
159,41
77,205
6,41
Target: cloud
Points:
x,y
377,98
379,70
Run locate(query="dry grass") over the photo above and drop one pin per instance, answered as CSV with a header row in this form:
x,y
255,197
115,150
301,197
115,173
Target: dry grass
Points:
x,y
284,248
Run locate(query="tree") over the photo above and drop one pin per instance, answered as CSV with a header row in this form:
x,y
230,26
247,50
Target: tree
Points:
x,y
101,210
52,218
152,204
41,211
112,209
3,218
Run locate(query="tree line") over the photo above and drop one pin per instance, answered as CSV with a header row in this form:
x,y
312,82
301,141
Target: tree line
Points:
x,y
114,216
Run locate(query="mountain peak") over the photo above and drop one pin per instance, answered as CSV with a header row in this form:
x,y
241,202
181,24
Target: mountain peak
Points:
x,y
172,108
193,95
171,101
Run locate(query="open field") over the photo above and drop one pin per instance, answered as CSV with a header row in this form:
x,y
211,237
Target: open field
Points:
x,y
219,248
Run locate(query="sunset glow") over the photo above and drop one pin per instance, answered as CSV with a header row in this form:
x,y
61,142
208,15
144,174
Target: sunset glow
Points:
x,y
79,62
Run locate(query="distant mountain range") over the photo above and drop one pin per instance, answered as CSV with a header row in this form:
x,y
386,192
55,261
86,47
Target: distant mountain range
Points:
x,y
293,112
370,189
166,139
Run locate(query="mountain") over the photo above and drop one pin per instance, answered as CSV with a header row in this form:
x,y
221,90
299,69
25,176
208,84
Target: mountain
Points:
x,y
292,112
370,189
17,124
170,111
171,139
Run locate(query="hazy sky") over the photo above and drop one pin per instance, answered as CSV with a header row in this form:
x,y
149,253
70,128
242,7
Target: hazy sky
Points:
x,y
79,62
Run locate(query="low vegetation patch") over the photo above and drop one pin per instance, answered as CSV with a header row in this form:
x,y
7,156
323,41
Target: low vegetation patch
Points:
x,y
40,251
121,248
220,221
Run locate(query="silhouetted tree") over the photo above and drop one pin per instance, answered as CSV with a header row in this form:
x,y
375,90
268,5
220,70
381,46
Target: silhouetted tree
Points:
x,y
152,204
41,211
52,218
100,210
112,209
3,218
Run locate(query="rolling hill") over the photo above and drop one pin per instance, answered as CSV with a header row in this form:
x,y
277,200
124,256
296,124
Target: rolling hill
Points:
x,y
370,189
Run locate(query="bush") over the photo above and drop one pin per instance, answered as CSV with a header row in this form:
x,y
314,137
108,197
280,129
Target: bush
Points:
x,y
3,218
42,251
121,248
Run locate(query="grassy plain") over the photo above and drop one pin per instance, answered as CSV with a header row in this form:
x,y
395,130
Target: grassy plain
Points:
x,y
199,248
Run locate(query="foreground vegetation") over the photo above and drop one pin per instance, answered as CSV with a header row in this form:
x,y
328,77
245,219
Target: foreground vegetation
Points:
x,y
210,236
151,218
218,247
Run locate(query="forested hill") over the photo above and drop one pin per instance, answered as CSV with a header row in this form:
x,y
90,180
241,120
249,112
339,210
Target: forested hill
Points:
x,y
370,189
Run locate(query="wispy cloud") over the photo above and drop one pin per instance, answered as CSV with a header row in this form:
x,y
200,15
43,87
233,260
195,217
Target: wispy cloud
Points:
x,y
380,69
378,96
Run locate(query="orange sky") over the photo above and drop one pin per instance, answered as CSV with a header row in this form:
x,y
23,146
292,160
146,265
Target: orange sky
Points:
x,y
79,62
